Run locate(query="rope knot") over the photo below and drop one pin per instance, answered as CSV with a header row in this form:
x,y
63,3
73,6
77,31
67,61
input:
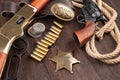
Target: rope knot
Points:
x,y
105,29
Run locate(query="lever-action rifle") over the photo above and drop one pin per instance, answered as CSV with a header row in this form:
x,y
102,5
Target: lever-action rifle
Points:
x,y
13,29
90,14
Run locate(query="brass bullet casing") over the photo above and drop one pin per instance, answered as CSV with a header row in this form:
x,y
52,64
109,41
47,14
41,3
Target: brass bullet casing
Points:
x,y
52,34
42,48
43,44
46,42
38,54
40,51
58,24
62,11
51,37
56,29
53,30
36,57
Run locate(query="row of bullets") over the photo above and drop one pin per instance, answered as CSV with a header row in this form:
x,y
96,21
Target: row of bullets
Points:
x,y
49,39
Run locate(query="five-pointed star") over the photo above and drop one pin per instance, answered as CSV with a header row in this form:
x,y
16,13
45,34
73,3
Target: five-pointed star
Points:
x,y
64,60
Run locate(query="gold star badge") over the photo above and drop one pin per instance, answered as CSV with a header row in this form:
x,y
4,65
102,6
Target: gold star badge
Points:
x,y
64,60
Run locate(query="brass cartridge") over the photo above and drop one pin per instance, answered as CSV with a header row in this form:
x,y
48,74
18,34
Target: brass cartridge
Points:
x,y
56,29
51,37
52,34
58,24
36,57
41,51
56,32
46,42
43,44
42,48
38,54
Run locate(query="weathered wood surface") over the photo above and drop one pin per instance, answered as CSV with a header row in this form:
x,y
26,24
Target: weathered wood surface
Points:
x,y
88,69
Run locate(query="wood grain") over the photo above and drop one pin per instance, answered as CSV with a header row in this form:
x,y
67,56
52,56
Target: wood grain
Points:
x,y
3,58
88,69
83,35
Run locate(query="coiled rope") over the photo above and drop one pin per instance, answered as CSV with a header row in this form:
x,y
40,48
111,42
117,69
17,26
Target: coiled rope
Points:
x,y
110,27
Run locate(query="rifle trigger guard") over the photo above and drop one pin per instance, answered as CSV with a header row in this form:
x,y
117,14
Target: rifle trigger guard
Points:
x,y
24,40
81,21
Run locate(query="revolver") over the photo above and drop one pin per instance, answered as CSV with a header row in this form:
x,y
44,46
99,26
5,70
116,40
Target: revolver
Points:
x,y
90,15
13,29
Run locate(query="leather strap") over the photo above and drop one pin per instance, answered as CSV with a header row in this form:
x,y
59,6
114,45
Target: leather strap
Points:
x,y
9,8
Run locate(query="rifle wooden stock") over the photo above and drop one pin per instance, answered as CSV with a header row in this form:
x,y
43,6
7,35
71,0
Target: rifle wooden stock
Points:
x,y
39,4
86,33
3,58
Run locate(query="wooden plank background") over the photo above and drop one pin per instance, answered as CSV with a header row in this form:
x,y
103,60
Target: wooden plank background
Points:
x,y
88,69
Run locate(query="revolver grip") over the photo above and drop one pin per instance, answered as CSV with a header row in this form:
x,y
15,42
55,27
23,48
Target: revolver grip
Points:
x,y
86,33
3,58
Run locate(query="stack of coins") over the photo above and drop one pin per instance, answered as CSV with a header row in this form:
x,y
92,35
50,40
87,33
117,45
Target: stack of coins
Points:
x,y
49,39
36,30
